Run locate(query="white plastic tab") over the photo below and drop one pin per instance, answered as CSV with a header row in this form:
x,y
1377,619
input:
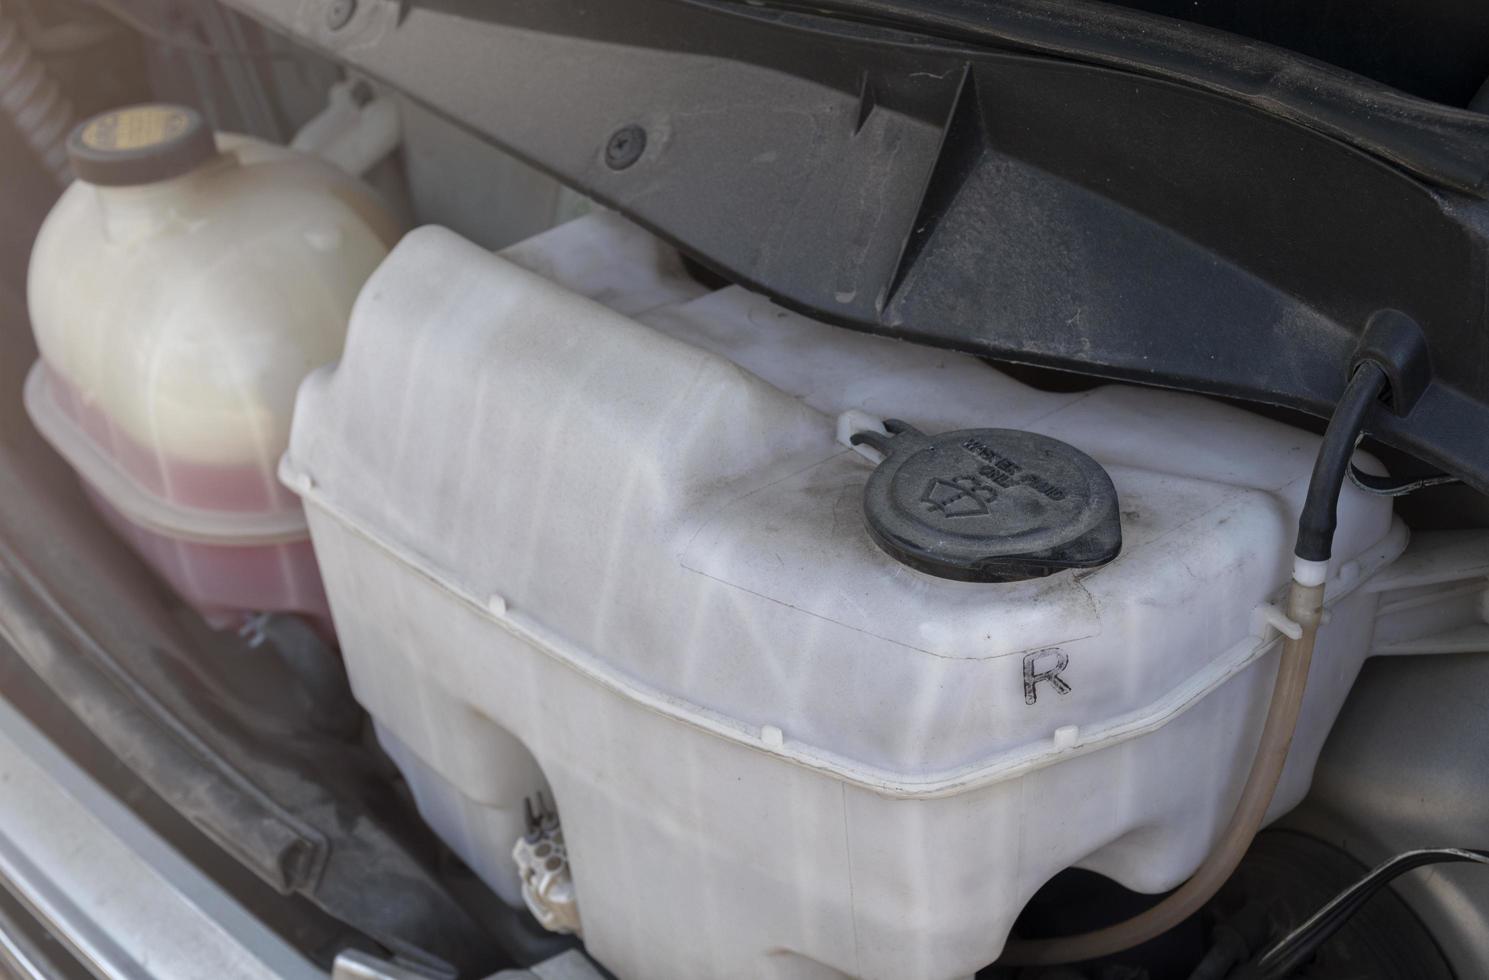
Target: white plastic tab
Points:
x,y
1271,614
854,421
356,129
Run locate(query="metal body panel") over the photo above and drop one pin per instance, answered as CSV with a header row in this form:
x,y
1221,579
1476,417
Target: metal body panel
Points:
x,y
117,895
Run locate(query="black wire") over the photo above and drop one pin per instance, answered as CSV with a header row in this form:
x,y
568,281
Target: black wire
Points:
x,y
1321,508
157,33
1386,486
1298,946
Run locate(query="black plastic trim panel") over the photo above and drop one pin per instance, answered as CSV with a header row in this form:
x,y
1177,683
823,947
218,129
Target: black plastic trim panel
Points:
x,y
1056,183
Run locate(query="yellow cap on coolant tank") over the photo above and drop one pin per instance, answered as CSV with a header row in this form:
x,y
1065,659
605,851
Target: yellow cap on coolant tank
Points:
x,y
140,144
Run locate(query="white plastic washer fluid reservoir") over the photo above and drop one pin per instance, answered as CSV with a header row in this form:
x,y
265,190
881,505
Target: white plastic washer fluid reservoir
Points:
x,y
179,291
613,551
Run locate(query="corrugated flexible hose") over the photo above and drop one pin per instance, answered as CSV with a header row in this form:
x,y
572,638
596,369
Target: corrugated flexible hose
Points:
x,y
32,101
1305,608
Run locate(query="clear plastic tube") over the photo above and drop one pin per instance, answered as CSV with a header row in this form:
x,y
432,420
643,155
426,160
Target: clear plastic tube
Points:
x,y
1304,607
1305,600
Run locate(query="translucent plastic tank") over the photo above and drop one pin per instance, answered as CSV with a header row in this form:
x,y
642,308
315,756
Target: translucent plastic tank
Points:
x,y
179,291
598,553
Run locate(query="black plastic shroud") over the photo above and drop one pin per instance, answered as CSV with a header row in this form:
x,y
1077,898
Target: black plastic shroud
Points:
x,y
1074,185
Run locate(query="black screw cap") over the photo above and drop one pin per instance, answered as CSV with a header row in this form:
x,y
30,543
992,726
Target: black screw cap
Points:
x,y
625,147
989,505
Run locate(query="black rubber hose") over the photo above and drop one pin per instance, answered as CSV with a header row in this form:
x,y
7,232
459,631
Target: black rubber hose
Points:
x,y
1321,508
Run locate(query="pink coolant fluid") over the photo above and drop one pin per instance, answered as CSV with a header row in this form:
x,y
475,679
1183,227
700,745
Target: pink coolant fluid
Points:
x,y
224,580
228,583
246,488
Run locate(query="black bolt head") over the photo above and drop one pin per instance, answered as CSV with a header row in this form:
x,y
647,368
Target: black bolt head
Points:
x,y
625,147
